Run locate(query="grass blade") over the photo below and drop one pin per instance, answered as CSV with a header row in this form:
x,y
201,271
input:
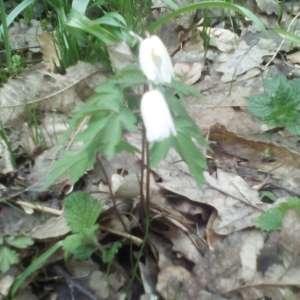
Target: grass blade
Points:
x,y
216,4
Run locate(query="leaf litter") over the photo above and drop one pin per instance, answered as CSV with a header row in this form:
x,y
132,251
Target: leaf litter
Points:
x,y
203,242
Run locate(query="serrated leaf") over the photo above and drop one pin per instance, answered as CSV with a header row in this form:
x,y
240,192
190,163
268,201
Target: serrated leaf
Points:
x,y
128,77
19,242
128,119
292,203
108,255
270,220
72,241
192,156
8,257
159,151
184,89
81,211
124,146
83,252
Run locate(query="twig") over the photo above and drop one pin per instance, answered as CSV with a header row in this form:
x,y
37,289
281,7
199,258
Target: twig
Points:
x,y
57,212
73,284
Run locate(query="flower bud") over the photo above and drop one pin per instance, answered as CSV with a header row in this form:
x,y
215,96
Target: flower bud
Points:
x,y
156,116
155,61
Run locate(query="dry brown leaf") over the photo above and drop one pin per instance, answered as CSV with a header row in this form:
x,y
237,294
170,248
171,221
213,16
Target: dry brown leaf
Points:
x,y
51,129
225,104
48,91
269,6
250,147
49,49
22,35
53,228
294,57
242,59
224,39
6,165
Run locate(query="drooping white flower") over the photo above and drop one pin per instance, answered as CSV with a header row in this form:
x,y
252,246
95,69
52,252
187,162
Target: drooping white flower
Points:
x,y
156,116
155,60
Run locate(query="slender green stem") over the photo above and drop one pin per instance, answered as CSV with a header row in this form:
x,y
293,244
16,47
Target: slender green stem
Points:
x,y
5,37
142,207
216,4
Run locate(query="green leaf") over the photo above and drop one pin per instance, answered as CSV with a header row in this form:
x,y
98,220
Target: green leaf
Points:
x,y
35,265
287,35
83,251
268,195
184,89
108,255
270,220
128,77
81,211
72,241
8,257
19,242
159,151
15,12
128,119
124,146
192,156
209,4
78,20
80,5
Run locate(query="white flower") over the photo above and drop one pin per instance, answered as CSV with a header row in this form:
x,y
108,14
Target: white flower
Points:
x,y
155,61
156,116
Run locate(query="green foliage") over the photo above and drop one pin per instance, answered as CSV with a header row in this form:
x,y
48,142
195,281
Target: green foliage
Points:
x,y
108,255
272,218
8,256
81,212
35,265
280,106
208,4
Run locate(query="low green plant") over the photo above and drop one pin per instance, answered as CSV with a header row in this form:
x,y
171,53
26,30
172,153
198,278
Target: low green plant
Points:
x,y
8,256
81,212
272,219
280,105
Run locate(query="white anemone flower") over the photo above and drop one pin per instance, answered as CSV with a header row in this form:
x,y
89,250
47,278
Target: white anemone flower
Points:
x,y
156,116
155,60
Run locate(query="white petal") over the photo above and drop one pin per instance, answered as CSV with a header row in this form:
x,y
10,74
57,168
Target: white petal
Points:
x,y
156,116
155,61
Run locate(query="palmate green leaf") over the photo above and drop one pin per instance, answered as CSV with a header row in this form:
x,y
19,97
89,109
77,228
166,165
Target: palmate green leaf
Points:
x,y
8,257
111,136
77,162
19,242
81,211
184,89
78,20
191,155
128,77
208,4
159,151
